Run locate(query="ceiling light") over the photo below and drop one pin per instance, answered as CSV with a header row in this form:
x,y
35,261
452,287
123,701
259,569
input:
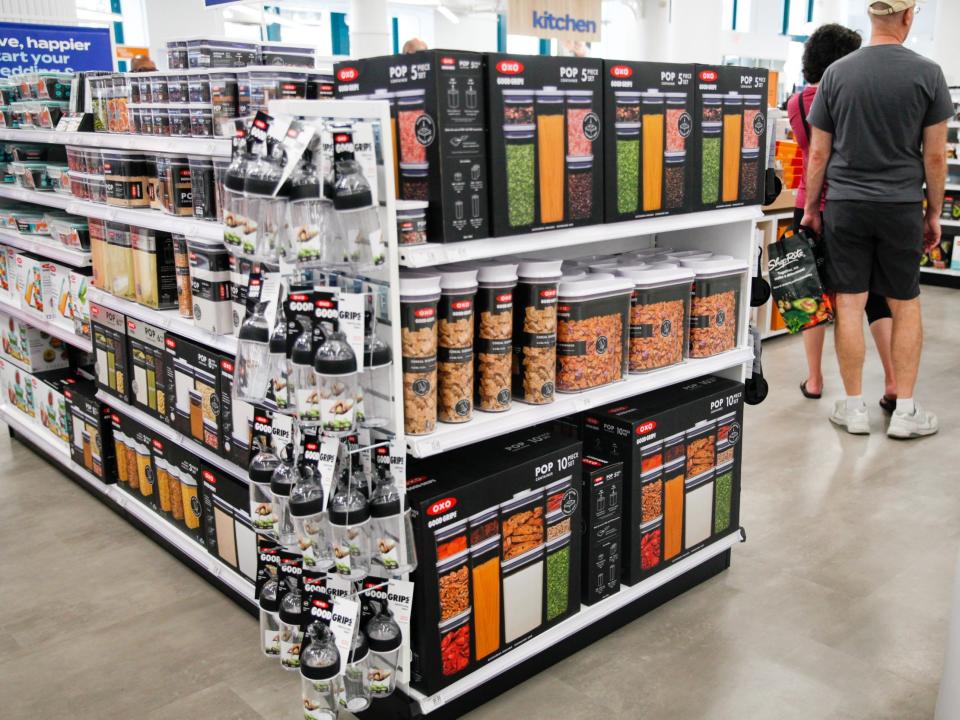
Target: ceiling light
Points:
x,y
448,14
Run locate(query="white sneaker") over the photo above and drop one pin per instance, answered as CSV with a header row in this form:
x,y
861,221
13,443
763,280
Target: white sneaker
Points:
x,y
918,424
857,422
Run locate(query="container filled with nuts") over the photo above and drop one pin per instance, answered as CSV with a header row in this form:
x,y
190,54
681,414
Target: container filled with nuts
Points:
x,y
458,287
592,331
535,331
659,316
494,334
715,304
419,294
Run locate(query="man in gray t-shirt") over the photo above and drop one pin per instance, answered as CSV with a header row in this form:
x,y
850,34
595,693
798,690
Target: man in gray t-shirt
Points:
x,y
879,125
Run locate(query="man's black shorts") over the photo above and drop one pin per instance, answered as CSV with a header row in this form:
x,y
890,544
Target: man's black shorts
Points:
x,y
873,246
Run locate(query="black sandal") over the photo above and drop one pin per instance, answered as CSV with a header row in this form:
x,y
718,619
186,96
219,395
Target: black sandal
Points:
x,y
807,394
888,403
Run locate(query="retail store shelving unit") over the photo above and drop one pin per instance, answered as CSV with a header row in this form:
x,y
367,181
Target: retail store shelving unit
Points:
x,y
767,229
119,141
45,247
50,328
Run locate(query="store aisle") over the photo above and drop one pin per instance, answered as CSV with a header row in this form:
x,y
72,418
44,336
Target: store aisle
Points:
x,y
836,607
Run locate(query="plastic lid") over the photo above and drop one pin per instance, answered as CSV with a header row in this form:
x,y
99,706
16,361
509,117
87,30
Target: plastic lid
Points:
x,y
549,95
496,273
535,269
604,266
268,595
376,353
319,657
306,498
383,633
262,466
335,356
575,272
283,479
255,328
419,284
654,276
457,277
359,649
348,506
278,339
291,609
598,283
306,183
411,207
714,265
385,501
302,351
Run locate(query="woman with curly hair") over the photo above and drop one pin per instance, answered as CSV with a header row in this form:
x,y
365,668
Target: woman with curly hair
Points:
x,y
825,46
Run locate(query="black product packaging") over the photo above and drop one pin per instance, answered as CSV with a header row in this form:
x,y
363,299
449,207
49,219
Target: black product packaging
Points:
x,y
437,117
177,470
227,531
148,359
91,430
132,443
210,288
497,530
109,329
236,417
193,383
268,563
681,483
546,150
602,504
730,141
648,135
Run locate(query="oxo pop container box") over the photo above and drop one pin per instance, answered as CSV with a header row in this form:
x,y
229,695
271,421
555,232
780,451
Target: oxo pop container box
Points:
x,y
546,149
681,454
602,509
648,118
91,431
731,139
497,530
193,391
226,527
437,117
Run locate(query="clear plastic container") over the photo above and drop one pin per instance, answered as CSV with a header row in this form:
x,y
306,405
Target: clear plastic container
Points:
x,y
310,523
284,477
419,294
320,679
593,321
252,369
269,619
349,517
391,532
411,222
659,316
291,633
384,638
356,695
307,216
535,330
458,286
494,334
338,380
260,471
715,305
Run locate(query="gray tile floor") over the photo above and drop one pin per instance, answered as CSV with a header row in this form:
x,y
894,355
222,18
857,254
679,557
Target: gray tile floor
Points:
x,y
835,607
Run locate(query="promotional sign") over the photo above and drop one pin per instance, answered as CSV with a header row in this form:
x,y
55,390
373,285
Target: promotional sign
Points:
x,y
217,3
562,19
35,48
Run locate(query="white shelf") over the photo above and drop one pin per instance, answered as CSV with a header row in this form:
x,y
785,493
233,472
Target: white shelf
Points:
x,y
184,544
418,256
167,319
953,161
52,329
940,271
580,622
219,147
45,247
488,425
48,199
192,229
950,223
955,187
776,216
162,428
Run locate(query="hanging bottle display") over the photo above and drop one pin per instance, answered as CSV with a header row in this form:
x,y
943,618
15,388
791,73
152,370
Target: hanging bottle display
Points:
x,y
384,638
320,679
302,378
337,383
357,217
279,369
281,483
306,512
262,513
349,515
253,350
306,229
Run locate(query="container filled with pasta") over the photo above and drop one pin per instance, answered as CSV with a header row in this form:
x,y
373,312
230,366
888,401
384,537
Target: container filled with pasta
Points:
x,y
659,316
494,334
535,331
419,294
715,304
458,286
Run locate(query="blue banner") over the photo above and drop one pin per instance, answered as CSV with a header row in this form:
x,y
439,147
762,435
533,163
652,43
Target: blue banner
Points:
x,y
214,3
34,48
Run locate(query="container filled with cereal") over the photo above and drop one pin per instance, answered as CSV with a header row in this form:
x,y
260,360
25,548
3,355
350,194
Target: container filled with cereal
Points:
x,y
419,295
458,285
659,316
715,304
494,334
535,331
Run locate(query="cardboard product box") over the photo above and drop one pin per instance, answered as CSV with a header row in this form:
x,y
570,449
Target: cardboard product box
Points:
x,y
91,430
148,374
30,348
50,403
177,482
210,287
731,142
61,296
33,286
602,507
79,285
136,474
438,119
546,150
648,118
19,389
236,417
680,448
227,531
8,275
497,529
109,330
154,269
193,391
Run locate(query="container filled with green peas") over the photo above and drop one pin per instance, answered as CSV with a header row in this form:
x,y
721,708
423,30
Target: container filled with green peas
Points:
x,y
521,168
722,498
628,166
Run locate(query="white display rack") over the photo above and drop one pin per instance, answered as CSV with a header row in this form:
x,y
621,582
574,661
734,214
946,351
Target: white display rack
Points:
x,y
48,198
484,426
47,247
183,543
950,223
940,271
214,147
167,319
955,187
419,256
52,329
162,428
588,615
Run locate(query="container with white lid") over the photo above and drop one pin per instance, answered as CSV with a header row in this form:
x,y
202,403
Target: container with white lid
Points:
x,y
604,266
688,254
659,315
458,286
412,222
419,294
593,320
535,330
494,334
715,304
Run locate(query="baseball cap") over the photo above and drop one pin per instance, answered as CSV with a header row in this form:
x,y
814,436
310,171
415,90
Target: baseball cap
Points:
x,y
891,6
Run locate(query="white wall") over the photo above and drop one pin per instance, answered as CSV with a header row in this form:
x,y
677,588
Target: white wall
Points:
x,y
168,19
39,11
477,33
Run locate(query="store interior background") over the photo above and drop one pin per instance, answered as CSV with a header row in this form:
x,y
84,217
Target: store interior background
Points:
x,y
764,33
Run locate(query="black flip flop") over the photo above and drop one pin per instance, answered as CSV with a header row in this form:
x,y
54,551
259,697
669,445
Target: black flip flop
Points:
x,y
807,394
888,403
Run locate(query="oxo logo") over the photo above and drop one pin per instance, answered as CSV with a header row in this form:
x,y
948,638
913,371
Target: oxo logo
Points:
x,y
647,427
446,60
621,71
509,67
442,506
424,313
709,75
347,74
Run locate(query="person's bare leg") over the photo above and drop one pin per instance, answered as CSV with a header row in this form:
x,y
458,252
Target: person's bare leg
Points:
x,y
813,347
849,340
906,344
882,331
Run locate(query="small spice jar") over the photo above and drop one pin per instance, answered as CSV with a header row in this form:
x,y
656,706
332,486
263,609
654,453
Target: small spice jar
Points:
x,y
458,286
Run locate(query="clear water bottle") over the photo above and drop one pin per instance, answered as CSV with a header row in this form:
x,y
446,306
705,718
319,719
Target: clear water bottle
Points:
x,y
260,472
356,677
337,380
384,638
269,619
302,377
320,679
253,351
291,635
391,531
309,521
282,481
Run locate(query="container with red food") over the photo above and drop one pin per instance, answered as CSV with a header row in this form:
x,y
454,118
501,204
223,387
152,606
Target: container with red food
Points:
x,y
454,588
651,458
483,526
455,646
651,544
452,541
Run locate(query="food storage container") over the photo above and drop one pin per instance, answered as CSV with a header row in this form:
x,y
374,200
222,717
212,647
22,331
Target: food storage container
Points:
x,y
269,619
31,175
698,510
659,316
224,101
280,370
178,89
522,566
99,253
320,679
414,185
217,53
411,222
178,119
31,223
198,87
155,273
59,178
384,638
651,545
310,523
494,334
337,371
201,121
458,287
357,219
177,54
391,532
174,184
284,477
374,407
287,55
593,320
24,152
96,186
701,448
520,150
535,330
291,633
303,396
252,370
126,177
71,230
355,695
715,304
260,471
419,295
349,517
308,213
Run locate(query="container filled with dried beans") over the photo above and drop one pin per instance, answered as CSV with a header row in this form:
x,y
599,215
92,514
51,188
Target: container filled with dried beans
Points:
x,y
458,287
715,304
419,294
535,331
659,316
494,334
